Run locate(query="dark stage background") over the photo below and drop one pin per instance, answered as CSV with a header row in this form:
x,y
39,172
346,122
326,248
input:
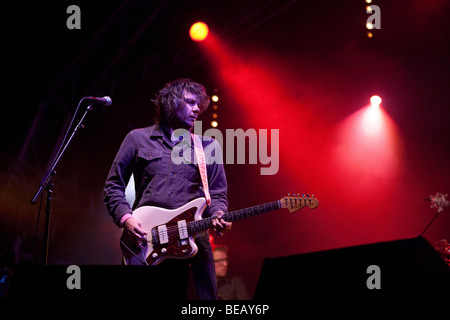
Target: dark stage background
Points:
x,y
306,68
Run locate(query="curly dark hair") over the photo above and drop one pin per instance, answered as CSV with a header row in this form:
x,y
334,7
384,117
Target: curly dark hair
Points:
x,y
170,98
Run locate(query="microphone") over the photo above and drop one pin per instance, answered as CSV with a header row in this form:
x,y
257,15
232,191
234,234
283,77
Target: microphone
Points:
x,y
439,201
105,101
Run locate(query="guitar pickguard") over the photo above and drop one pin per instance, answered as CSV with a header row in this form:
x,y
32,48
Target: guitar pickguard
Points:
x,y
167,230
176,246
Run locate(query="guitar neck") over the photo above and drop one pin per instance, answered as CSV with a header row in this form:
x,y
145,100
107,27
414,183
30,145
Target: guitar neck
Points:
x,y
204,224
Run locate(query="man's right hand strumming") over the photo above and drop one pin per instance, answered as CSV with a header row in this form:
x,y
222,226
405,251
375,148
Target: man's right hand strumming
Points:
x,y
135,231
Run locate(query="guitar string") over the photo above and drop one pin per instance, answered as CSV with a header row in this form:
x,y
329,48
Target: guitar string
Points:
x,y
175,229
143,261
239,214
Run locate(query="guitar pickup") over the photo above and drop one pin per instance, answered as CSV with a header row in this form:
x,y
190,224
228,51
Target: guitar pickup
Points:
x,y
182,229
163,235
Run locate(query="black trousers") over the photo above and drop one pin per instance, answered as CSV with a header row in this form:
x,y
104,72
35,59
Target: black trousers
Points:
x,y
170,277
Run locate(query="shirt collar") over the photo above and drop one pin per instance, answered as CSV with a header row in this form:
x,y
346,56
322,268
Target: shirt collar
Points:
x,y
156,131
159,130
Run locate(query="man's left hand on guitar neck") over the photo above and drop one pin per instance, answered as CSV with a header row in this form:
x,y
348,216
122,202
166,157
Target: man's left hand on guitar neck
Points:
x,y
219,225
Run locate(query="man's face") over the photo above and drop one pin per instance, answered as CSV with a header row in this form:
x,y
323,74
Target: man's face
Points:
x,y
188,112
221,262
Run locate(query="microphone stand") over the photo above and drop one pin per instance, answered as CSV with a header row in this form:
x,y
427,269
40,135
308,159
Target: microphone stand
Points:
x,y
47,183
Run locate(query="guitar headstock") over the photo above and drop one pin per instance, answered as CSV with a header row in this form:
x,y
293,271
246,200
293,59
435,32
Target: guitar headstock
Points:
x,y
297,201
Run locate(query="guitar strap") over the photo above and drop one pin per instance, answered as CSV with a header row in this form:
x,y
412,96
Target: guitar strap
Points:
x,y
200,155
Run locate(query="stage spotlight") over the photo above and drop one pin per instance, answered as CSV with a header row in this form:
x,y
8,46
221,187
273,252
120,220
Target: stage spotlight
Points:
x,y
375,101
372,121
373,118
215,98
199,31
214,124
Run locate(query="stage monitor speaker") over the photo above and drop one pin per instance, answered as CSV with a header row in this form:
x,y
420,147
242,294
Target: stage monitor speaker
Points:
x,y
403,269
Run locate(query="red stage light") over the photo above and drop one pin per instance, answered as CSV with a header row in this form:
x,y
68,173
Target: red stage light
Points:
x,y
375,101
199,31
372,120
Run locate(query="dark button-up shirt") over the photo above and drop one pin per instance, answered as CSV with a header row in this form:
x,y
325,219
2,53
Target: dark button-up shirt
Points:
x,y
159,181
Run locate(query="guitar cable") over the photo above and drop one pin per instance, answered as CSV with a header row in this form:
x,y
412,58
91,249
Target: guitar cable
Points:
x,y
144,262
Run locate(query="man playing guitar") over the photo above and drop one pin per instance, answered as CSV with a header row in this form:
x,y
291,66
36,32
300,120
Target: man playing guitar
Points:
x,y
146,154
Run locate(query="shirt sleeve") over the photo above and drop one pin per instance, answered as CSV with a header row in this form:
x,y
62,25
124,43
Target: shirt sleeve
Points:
x,y
117,180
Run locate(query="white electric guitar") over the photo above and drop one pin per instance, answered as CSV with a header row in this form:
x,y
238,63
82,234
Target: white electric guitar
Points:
x,y
172,232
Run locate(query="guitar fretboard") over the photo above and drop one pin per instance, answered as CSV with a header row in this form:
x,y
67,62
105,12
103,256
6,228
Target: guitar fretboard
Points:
x,y
204,224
